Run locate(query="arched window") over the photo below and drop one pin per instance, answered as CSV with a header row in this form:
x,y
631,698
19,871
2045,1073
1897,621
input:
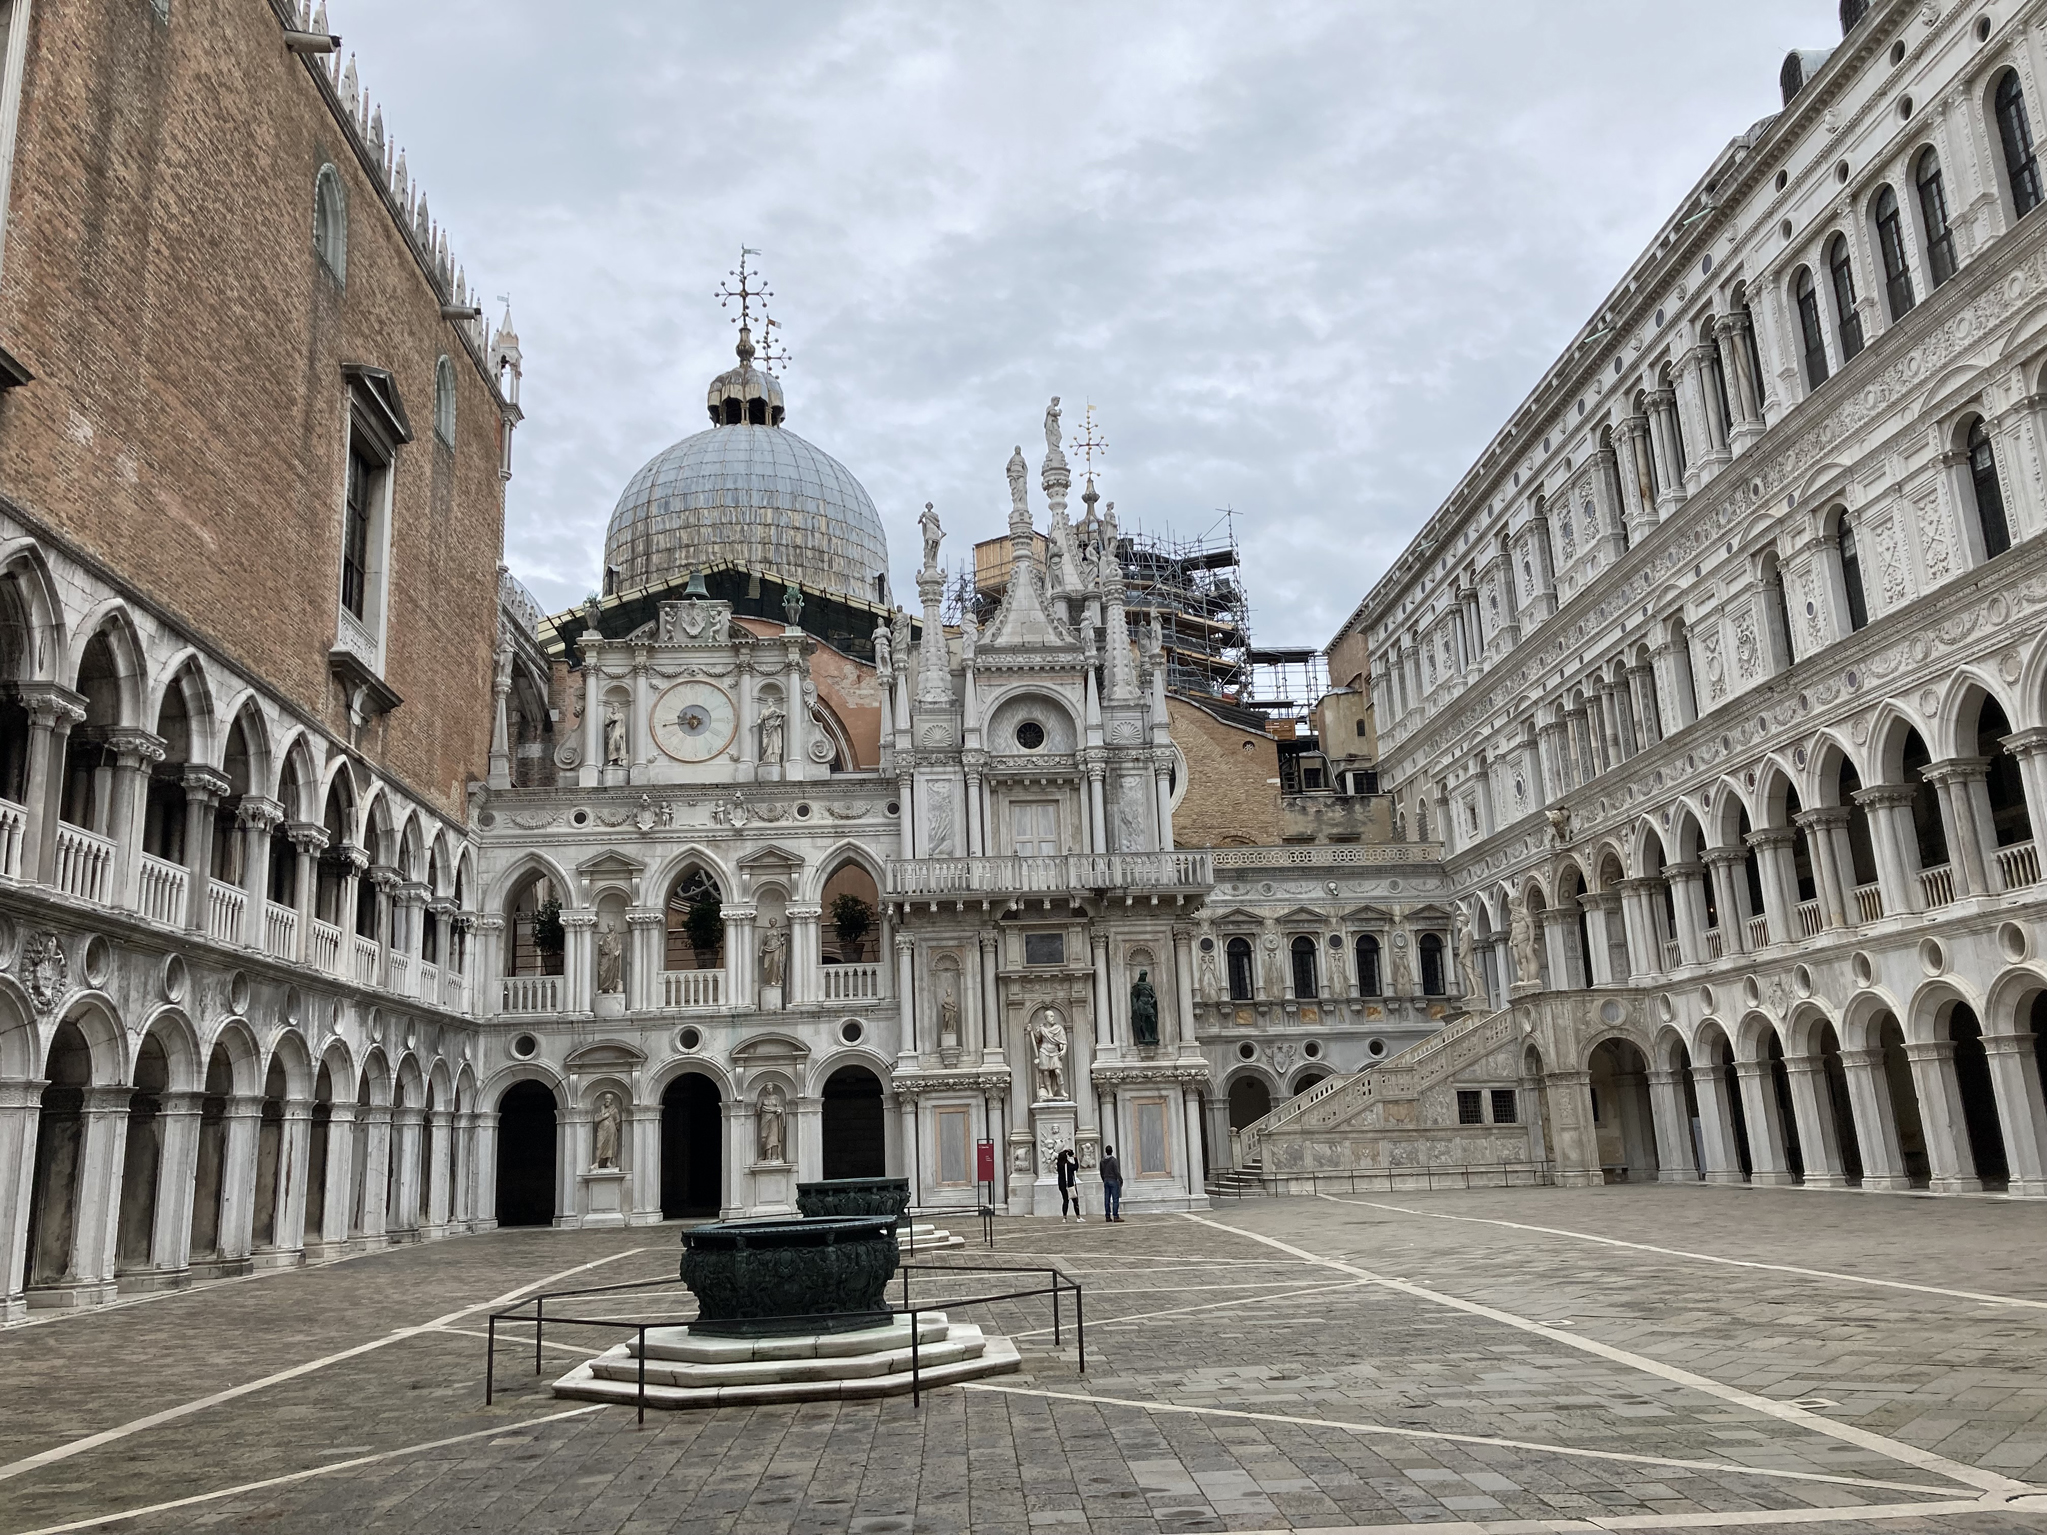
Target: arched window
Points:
x,y
1777,612
1989,493
1238,953
1930,832
1940,239
330,222
1841,272
2015,129
1809,328
1749,347
1851,577
1303,950
1432,965
695,936
1890,242
1368,966
2010,820
444,401
1852,12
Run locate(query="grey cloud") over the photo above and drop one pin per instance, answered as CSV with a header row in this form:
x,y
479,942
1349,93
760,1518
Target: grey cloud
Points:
x,y
1302,258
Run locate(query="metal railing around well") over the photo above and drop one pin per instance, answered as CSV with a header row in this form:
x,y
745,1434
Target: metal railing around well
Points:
x,y
533,1309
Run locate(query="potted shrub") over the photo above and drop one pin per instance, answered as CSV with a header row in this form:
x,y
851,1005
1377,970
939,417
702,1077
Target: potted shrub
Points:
x,y
852,920
704,923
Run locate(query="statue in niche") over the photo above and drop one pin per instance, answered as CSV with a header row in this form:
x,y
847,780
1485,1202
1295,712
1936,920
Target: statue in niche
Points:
x,y
948,1019
1144,1010
610,958
772,723
1521,937
1048,1046
1052,450
609,1112
774,954
934,535
1211,982
614,737
884,647
771,1118
1467,958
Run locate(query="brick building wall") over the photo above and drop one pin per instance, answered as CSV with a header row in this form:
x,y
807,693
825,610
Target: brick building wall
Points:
x,y
1232,797
187,423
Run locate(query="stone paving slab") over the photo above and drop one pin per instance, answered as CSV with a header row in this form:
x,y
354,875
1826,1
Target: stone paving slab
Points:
x,y
1275,1379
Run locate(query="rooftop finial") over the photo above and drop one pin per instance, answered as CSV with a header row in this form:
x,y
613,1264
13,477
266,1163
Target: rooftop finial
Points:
x,y
1087,445
748,296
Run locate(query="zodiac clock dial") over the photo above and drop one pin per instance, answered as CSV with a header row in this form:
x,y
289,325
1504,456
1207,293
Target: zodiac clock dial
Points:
x,y
694,721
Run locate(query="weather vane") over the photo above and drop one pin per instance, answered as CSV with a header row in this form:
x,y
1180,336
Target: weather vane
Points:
x,y
1087,445
773,355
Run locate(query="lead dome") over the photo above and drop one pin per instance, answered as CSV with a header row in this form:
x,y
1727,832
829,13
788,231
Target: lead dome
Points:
x,y
747,492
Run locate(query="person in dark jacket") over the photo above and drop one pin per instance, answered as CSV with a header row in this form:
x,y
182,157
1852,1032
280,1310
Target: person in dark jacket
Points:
x,y
1112,1185
1069,1184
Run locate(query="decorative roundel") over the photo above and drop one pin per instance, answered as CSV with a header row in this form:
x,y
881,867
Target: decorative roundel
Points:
x,y
694,721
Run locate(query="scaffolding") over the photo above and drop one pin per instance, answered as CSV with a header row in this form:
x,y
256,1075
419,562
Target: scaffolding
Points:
x,y
1193,587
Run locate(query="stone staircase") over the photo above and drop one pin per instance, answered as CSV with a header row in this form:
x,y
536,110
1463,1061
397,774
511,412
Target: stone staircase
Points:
x,y
682,1371
1236,1182
923,1237
1405,1076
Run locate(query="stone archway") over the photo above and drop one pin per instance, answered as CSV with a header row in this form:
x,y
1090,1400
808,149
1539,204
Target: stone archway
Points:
x,y
855,1131
692,1147
1983,1128
527,1132
1623,1119
54,1194
1250,1100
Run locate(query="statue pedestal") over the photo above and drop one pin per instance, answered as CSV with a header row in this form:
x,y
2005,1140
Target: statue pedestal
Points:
x,y
610,1004
604,1196
774,1185
771,998
1054,1128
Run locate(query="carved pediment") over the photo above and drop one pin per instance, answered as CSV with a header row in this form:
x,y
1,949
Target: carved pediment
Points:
x,y
693,622
607,1055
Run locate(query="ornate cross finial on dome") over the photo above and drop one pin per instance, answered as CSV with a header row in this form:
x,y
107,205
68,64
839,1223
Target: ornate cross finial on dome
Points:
x,y
748,296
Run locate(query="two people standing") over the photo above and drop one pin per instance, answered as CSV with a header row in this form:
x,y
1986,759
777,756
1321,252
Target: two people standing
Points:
x,y
1068,1170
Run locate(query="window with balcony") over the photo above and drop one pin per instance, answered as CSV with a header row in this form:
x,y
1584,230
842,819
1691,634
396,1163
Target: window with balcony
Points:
x,y
1431,947
1368,966
1034,828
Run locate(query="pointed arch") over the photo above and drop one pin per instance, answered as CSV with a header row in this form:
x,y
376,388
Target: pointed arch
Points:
x,y
179,1041
32,633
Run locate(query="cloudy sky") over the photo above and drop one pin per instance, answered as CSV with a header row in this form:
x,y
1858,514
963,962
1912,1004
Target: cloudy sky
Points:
x,y
1302,258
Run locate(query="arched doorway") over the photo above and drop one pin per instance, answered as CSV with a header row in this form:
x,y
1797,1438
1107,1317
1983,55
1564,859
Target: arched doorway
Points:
x,y
526,1155
316,1155
60,1147
1688,1098
692,1147
1979,1097
1787,1114
1827,1044
855,1137
142,1159
1622,1116
269,1157
1904,1102
209,1182
1250,1101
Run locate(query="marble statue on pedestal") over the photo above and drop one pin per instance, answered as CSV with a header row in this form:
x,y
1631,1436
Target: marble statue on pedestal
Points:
x,y
609,1113
1048,1043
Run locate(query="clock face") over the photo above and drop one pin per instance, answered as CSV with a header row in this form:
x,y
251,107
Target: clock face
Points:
x,y
694,721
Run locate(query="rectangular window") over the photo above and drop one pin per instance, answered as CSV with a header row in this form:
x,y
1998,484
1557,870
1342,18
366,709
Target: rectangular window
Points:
x,y
1504,1112
1940,240
1044,948
1851,580
1815,343
364,477
1470,1106
1151,1158
955,1167
1035,824
1890,239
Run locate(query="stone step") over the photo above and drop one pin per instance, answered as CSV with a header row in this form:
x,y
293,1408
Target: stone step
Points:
x,y
998,1356
677,1343
924,1237
963,1341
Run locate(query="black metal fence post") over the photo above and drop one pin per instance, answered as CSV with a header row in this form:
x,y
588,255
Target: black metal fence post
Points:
x,y
539,1321
490,1361
1055,1307
1080,1326
916,1366
642,1351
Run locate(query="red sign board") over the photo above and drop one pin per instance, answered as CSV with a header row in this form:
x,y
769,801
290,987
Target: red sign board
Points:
x,y
984,1161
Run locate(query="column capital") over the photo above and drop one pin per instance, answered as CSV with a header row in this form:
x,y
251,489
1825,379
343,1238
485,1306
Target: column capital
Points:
x,y
1718,856
1870,1058
385,876
487,921
1824,817
49,702
254,810
307,836
640,916
578,919
204,784
2029,742
1691,869
1957,770
133,746
1645,885
1771,836
1885,795
1756,1069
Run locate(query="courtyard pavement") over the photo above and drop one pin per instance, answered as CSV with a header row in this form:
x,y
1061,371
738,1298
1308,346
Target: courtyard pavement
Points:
x,y
1626,1358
